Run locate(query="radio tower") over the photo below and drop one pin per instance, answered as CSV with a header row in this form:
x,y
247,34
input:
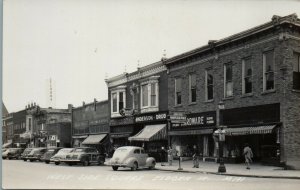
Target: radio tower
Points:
x,y
51,93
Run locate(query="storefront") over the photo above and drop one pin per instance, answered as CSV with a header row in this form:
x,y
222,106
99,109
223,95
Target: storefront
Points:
x,y
259,126
197,129
152,135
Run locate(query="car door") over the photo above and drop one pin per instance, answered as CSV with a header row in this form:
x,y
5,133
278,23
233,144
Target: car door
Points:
x,y
137,155
143,157
94,155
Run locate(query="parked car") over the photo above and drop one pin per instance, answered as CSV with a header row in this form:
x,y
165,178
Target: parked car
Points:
x,y
25,153
132,157
13,153
61,154
84,155
4,153
36,154
49,153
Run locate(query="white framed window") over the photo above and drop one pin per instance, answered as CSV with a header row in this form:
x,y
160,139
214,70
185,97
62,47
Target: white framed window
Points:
x,y
178,91
247,75
209,83
296,71
268,70
228,82
192,88
118,100
149,94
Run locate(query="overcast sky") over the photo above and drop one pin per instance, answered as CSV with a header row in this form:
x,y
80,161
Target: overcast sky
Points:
x,y
76,42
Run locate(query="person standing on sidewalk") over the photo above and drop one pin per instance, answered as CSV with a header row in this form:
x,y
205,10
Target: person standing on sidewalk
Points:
x,y
248,155
170,155
195,157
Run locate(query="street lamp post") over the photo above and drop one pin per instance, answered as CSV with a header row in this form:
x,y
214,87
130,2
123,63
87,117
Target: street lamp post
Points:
x,y
221,138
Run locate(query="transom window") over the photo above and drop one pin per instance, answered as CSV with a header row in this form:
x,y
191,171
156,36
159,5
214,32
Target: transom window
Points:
x,y
268,64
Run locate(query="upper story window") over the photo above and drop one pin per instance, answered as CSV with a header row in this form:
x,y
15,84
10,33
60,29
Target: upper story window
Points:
x,y
228,83
296,71
247,76
209,83
268,69
149,94
118,100
178,90
192,88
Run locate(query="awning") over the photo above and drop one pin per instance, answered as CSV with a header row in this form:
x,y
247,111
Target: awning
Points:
x,y
191,132
6,145
150,133
80,137
120,135
265,129
94,139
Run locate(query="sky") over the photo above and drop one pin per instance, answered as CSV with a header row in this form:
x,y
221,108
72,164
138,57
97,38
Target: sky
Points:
x,y
78,43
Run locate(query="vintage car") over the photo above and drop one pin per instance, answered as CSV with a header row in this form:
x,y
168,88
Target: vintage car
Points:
x,y
25,153
84,155
49,153
13,153
61,154
36,154
4,153
132,157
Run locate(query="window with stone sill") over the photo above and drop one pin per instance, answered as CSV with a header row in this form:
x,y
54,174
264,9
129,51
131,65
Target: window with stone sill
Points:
x,y
118,101
247,76
192,88
268,69
209,83
178,91
296,71
149,95
228,83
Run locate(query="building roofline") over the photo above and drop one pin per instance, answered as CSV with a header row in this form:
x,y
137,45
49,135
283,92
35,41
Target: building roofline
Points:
x,y
276,20
91,103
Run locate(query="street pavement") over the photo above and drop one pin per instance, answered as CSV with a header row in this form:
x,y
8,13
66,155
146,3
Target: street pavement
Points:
x,y
18,174
257,170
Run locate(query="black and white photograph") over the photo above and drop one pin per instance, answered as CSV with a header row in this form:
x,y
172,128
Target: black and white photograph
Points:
x,y
139,94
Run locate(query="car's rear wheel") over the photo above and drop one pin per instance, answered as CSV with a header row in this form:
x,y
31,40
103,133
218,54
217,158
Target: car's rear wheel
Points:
x,y
25,160
85,162
152,166
134,167
70,164
47,162
31,160
9,158
115,168
56,163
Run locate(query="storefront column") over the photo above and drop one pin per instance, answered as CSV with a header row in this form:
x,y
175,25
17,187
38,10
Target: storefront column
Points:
x,y
205,146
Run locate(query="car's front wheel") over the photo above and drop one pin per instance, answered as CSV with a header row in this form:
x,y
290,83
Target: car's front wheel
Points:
x,y
152,166
31,160
115,168
134,167
25,160
85,162
47,162
56,163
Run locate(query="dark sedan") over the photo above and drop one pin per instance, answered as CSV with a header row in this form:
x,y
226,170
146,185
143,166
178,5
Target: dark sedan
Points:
x,y
14,153
36,154
49,153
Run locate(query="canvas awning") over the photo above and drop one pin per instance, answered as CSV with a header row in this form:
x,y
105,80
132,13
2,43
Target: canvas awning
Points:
x,y
94,139
191,132
150,133
265,129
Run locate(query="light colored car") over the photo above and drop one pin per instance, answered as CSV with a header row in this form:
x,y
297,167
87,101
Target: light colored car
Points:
x,y
61,154
131,157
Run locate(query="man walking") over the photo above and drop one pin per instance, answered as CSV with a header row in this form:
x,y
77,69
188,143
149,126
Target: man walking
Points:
x,y
195,157
248,155
170,155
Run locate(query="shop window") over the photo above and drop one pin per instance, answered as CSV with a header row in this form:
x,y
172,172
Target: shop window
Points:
x,y
296,71
268,64
209,81
228,80
247,76
192,87
178,91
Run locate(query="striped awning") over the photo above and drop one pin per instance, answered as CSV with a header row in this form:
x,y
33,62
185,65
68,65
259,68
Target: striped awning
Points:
x,y
151,133
265,129
191,132
94,139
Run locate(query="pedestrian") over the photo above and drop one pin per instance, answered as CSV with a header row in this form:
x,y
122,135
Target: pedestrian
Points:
x,y
195,157
162,156
170,155
248,155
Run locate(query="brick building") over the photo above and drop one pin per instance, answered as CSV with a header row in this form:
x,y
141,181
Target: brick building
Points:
x,y
138,107
90,125
255,75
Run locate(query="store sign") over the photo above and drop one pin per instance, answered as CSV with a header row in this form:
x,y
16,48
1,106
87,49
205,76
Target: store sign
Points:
x,y
122,121
204,119
151,117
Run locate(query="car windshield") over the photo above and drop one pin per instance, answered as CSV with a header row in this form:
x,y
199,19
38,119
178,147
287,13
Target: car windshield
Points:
x,y
120,152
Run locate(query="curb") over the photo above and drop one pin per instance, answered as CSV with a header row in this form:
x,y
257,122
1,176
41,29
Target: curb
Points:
x,y
232,174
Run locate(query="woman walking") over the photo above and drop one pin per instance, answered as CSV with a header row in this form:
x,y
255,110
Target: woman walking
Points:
x,y
248,155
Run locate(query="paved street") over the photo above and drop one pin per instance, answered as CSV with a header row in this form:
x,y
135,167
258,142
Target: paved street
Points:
x,y
27,175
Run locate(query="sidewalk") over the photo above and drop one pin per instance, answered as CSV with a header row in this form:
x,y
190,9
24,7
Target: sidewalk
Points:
x,y
256,170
